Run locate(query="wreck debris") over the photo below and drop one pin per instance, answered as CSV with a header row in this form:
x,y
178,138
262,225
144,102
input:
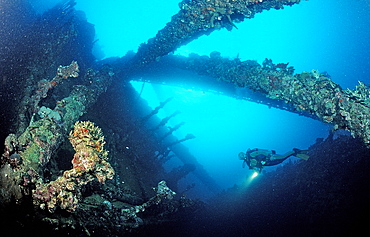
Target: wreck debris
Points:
x,y
43,136
163,192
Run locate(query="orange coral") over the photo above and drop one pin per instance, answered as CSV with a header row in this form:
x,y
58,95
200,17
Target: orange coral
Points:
x,y
89,162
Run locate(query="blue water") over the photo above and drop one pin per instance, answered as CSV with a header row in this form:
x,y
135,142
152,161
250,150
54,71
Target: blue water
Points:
x,y
331,35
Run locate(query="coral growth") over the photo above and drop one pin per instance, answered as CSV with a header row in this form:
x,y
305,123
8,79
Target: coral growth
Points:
x,y
89,162
88,142
64,72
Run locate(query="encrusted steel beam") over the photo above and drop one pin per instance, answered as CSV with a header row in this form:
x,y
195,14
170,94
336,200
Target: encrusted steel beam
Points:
x,y
197,18
310,92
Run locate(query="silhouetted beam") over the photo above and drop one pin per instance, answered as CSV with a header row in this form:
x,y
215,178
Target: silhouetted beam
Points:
x,y
182,152
309,91
197,18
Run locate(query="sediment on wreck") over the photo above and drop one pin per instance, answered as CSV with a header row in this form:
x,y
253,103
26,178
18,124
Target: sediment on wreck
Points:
x,y
197,18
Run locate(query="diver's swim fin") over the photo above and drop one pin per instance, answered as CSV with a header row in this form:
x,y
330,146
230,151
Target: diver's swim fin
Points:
x,y
301,154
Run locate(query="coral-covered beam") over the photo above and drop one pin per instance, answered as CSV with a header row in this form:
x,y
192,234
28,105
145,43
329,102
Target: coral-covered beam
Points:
x,y
311,92
201,17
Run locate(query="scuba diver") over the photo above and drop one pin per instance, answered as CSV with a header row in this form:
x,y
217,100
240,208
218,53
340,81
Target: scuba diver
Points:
x,y
256,158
